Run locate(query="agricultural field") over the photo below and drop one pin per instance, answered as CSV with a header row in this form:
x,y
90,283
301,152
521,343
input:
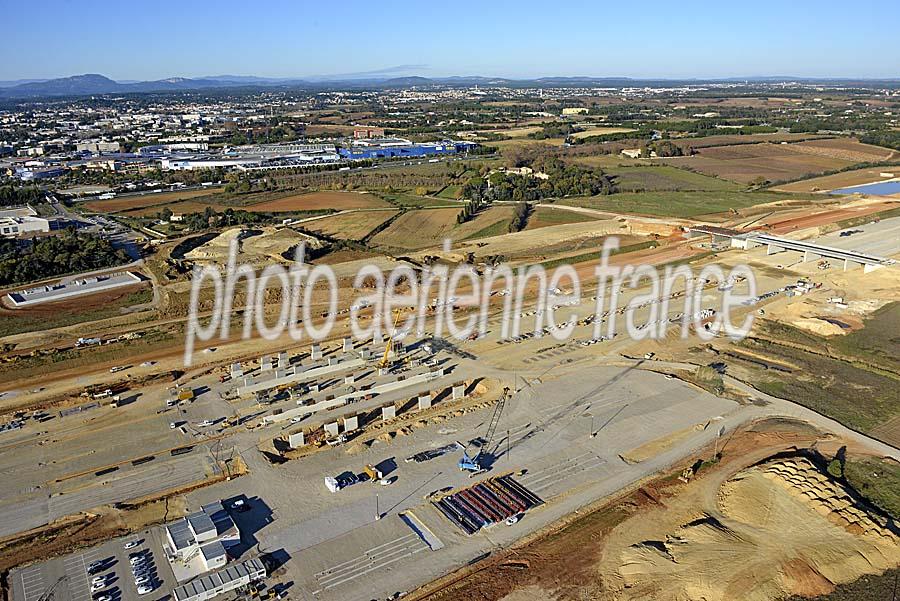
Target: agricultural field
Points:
x,y
735,139
411,201
847,149
519,142
549,216
420,229
853,383
125,203
664,177
315,201
600,131
746,163
349,226
845,179
607,162
674,204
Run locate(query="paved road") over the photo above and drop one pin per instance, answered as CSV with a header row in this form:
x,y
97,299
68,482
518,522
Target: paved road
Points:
x,y
779,406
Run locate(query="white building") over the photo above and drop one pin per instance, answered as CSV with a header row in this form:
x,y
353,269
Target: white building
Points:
x,y
201,538
10,227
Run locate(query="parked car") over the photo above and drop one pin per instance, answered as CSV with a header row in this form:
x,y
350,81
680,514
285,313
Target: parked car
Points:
x,y
131,544
240,505
144,589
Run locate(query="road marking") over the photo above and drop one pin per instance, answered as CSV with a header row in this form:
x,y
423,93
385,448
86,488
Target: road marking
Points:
x,y
373,559
32,582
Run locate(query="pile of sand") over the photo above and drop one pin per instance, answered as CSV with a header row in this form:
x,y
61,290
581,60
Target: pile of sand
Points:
x,y
778,529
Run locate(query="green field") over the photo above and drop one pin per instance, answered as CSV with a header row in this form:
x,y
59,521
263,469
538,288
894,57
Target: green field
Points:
x,y
675,204
663,177
411,201
876,480
836,379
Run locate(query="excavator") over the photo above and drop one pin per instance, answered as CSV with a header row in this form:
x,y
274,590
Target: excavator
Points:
x,y
477,464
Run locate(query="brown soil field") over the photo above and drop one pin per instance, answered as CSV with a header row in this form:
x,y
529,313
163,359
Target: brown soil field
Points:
x,y
423,228
735,139
418,229
115,205
501,144
599,131
350,226
848,149
754,526
329,129
315,201
781,224
844,179
544,217
746,162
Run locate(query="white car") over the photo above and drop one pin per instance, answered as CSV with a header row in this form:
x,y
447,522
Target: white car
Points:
x,y
141,580
103,597
144,589
512,520
98,580
204,423
131,544
98,586
137,560
297,419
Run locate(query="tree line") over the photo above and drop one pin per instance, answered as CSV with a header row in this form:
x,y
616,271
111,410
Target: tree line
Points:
x,y
67,253
552,178
11,195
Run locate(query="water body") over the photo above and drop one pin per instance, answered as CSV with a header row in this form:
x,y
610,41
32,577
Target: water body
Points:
x,y
878,189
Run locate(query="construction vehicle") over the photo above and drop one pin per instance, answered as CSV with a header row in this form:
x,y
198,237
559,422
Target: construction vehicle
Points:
x,y
478,464
389,346
373,473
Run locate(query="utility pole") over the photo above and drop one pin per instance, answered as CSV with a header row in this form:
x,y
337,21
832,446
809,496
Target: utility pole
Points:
x,y
377,512
507,446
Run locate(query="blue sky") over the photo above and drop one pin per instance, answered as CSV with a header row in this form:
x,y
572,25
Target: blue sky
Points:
x,y
524,38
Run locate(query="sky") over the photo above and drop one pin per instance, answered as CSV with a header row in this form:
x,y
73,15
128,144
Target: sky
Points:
x,y
521,39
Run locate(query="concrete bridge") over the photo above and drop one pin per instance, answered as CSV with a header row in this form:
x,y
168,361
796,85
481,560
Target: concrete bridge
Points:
x,y
776,244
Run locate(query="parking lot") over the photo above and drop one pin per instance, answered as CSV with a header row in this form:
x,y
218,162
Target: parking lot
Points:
x,y
68,578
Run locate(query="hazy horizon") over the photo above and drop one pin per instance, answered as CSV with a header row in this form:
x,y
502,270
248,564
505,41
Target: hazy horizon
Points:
x,y
517,40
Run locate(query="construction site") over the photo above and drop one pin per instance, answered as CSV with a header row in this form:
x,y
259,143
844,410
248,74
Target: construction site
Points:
x,y
489,467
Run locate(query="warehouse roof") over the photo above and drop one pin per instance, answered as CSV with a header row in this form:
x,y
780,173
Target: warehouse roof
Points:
x,y
201,523
223,580
180,534
212,550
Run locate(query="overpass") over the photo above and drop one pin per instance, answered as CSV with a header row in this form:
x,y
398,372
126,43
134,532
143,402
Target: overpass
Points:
x,y
776,244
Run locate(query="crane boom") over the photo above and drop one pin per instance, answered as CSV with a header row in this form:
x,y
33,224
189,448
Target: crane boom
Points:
x,y
385,359
476,465
495,418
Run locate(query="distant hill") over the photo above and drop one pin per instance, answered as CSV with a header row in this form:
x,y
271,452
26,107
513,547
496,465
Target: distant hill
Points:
x,y
94,84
